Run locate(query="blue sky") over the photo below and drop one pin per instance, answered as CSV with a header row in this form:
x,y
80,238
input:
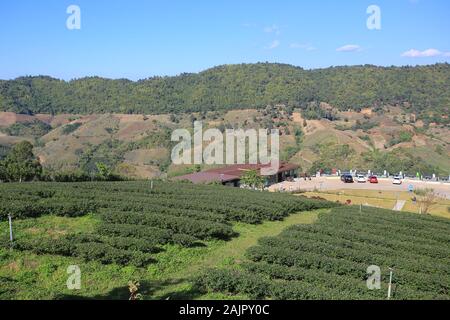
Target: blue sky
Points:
x,y
138,39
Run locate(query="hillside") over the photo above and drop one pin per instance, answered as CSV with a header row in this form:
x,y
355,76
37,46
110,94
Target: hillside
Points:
x,y
139,145
328,259
182,241
423,90
156,233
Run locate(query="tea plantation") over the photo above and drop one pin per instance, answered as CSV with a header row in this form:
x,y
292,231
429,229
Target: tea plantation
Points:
x,y
136,219
329,259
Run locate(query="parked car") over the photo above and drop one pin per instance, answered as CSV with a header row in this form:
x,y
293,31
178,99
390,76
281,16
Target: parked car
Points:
x,y
347,178
397,180
373,179
361,179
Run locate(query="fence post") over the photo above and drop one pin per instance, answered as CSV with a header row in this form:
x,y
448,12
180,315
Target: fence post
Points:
x,y
391,270
10,230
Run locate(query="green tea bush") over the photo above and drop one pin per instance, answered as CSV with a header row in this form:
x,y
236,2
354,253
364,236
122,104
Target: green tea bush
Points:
x,y
329,259
137,220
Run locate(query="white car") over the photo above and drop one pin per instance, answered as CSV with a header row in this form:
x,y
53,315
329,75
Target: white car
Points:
x,y
361,179
397,180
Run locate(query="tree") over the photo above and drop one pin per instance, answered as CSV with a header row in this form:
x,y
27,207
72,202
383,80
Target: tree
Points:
x,y
104,172
252,179
21,164
426,198
3,176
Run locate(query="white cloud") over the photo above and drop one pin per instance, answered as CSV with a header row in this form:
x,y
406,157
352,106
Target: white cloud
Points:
x,y
272,29
413,53
446,54
307,47
274,44
349,48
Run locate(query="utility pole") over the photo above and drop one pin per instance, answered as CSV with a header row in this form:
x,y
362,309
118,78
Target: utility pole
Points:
x,y
10,230
390,283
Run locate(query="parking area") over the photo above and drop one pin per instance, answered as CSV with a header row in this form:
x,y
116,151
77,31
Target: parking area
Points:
x,y
384,184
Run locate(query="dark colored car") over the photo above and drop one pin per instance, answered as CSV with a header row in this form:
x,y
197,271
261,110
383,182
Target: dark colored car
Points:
x,y
347,178
373,179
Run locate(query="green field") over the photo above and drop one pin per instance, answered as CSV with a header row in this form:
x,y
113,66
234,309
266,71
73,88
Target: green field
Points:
x,y
182,241
117,232
329,259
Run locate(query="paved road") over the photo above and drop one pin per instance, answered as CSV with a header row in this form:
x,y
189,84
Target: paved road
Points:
x,y
334,183
399,205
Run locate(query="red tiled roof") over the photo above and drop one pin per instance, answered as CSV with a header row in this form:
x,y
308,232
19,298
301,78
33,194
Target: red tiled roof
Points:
x,y
204,177
230,173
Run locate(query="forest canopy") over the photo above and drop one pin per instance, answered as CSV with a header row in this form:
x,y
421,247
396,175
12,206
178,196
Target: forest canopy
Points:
x,y
424,90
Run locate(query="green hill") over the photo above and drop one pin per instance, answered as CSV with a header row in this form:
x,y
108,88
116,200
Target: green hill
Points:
x,y
422,89
139,146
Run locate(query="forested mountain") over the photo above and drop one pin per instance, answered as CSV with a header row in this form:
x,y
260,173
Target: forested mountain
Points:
x,y
419,89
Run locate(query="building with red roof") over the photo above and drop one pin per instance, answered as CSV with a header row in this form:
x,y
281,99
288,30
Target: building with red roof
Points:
x,y
231,175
